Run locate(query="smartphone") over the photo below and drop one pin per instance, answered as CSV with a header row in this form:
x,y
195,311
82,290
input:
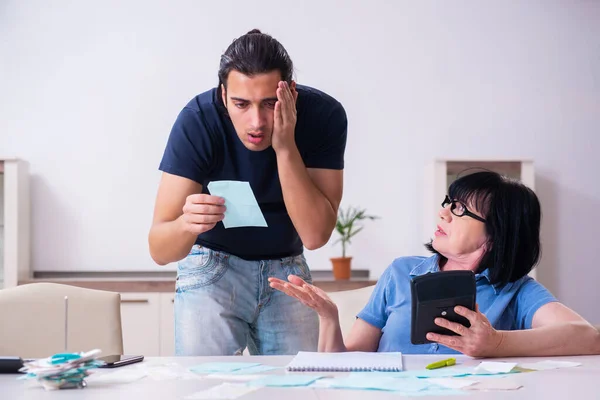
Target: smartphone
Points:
x,y
10,365
117,360
435,295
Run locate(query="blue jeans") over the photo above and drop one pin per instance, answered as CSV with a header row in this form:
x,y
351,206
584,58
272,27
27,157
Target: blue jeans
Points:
x,y
224,304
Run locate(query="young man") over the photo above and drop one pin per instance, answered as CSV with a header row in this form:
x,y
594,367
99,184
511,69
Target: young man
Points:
x,y
288,142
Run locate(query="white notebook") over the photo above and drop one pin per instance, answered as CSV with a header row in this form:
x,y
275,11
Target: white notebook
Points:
x,y
348,361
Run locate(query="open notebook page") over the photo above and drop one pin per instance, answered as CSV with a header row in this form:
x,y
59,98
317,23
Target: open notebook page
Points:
x,y
348,361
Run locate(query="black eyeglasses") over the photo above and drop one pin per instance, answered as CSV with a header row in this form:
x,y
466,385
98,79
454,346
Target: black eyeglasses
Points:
x,y
459,209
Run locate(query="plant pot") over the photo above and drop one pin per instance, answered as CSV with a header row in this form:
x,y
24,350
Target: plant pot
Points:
x,y
341,267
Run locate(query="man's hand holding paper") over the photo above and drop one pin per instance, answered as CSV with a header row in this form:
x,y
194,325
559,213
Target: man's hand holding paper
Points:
x,y
241,206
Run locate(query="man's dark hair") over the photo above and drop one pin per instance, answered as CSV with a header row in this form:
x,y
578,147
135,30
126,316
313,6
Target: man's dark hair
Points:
x,y
513,214
255,53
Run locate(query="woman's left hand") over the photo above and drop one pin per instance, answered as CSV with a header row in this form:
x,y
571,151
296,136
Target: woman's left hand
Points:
x,y
480,340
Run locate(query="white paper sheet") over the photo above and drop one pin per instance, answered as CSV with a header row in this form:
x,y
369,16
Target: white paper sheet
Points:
x,y
452,383
549,364
494,367
223,391
235,377
115,377
495,384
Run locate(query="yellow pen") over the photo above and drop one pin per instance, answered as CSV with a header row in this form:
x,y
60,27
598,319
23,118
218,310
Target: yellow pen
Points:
x,y
442,363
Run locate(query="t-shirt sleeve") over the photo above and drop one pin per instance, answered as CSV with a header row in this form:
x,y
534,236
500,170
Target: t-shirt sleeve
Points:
x,y
328,152
530,297
189,149
375,312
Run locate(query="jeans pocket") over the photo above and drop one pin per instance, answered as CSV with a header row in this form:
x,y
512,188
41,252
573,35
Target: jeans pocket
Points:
x,y
201,267
299,267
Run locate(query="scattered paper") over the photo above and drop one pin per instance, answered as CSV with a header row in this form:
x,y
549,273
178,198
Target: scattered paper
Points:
x,y
380,383
254,370
324,383
63,370
494,367
452,383
495,384
285,380
549,364
161,371
480,377
223,391
212,367
167,374
234,377
437,373
242,209
116,377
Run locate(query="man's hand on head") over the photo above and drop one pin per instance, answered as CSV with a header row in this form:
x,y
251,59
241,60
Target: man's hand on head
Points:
x,y
284,121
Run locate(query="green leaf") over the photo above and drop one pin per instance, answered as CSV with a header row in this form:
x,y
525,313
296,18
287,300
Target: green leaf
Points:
x,y
348,224
355,232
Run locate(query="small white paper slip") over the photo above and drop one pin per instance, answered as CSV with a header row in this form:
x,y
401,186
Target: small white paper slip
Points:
x,y
161,371
494,367
495,384
452,383
223,391
549,364
116,377
323,383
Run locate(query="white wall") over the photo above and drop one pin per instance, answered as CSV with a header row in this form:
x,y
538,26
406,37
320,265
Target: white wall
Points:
x,y
89,90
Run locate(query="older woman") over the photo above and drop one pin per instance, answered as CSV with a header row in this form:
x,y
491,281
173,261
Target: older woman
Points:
x,y
489,225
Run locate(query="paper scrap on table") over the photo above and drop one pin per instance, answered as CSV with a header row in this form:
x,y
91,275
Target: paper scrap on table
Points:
x,y
254,370
115,378
494,367
380,383
241,206
160,371
324,383
451,383
436,373
166,373
495,384
421,373
285,380
235,377
223,391
212,367
549,364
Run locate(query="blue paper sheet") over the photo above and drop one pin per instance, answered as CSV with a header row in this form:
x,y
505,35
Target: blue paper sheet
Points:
x,y
285,380
421,373
241,206
254,370
378,382
437,373
212,367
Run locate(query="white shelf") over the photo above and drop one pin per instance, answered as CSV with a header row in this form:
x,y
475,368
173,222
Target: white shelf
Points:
x,y
14,222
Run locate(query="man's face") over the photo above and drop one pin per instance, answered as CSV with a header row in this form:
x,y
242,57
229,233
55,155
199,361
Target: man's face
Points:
x,y
250,102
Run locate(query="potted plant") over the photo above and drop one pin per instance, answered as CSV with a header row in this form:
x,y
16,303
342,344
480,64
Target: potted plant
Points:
x,y
347,227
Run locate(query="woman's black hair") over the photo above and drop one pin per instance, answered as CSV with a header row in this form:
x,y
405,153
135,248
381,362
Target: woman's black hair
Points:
x,y
513,215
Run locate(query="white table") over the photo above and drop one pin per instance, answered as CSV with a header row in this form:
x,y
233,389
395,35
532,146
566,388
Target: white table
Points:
x,y
569,383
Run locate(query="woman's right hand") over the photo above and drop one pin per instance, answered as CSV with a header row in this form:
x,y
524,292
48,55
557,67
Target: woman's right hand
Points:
x,y
308,294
